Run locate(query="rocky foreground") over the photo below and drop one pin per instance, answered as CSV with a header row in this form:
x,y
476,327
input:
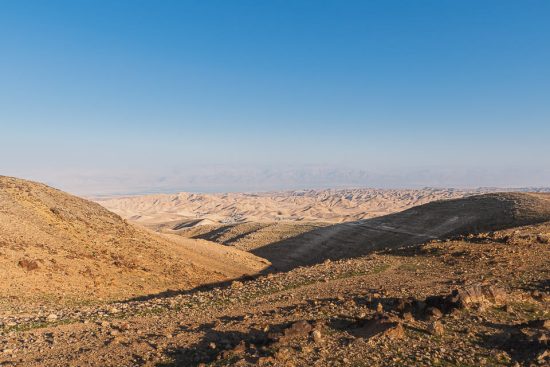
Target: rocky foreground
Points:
x,y
477,300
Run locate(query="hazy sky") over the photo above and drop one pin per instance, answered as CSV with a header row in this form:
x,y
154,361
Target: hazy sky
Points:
x,y
130,96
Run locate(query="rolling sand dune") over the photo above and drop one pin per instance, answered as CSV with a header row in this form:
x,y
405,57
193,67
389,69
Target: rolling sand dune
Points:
x,y
333,206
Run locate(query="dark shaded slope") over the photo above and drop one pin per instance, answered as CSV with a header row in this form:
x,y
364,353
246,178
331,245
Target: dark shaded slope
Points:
x,y
416,225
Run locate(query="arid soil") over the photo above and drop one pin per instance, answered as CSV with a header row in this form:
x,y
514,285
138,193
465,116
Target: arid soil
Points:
x,y
477,300
463,282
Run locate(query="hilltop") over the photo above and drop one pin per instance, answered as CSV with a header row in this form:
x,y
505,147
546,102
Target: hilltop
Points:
x,y
61,248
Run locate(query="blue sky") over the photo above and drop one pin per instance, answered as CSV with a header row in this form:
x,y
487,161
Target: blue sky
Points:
x,y
127,96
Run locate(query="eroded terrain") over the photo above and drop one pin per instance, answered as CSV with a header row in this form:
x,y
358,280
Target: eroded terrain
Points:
x,y
461,282
474,300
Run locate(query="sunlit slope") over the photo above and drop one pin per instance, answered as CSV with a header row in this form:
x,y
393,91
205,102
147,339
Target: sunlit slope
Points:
x,y
60,246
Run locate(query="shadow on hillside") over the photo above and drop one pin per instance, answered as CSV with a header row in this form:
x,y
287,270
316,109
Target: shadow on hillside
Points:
x,y
435,220
202,288
221,345
397,233
522,342
227,346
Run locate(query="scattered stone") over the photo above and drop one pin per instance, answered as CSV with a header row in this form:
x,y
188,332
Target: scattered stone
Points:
x,y
379,326
481,295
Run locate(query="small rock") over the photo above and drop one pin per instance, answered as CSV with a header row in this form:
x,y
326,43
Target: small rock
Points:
x,y
379,326
28,265
236,284
299,328
544,356
433,313
436,328
317,337
240,348
52,317
481,295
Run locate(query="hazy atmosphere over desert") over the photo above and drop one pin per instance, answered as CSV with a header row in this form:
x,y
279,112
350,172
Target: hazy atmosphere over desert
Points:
x,y
274,183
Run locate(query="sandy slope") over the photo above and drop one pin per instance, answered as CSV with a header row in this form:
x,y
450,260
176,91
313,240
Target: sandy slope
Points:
x,y
308,206
57,247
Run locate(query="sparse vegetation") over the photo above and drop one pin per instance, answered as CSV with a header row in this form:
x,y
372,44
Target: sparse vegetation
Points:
x,y
473,300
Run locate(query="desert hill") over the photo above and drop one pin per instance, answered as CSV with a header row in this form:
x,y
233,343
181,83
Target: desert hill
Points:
x,y
435,220
333,206
59,247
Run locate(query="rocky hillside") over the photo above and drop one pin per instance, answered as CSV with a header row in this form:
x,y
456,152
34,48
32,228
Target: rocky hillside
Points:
x,y
57,247
476,300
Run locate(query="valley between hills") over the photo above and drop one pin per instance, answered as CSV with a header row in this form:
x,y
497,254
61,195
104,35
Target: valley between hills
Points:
x,y
359,277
